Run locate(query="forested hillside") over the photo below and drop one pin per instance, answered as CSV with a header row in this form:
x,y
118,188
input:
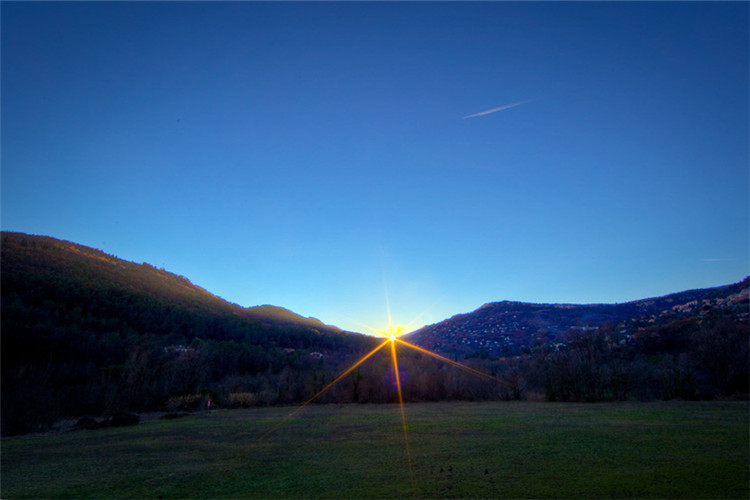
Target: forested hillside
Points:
x,y
688,345
514,328
84,332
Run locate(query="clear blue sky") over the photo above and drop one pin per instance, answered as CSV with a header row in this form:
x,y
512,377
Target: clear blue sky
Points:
x,y
315,155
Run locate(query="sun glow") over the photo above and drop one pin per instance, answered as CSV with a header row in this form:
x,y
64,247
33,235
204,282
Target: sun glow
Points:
x,y
394,332
401,406
392,336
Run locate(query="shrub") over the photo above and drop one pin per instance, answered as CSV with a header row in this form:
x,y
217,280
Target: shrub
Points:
x,y
186,402
241,400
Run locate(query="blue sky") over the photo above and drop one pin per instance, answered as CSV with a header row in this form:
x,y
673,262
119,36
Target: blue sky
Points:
x,y
323,157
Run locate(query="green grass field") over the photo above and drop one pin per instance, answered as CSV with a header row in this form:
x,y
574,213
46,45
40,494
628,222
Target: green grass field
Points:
x,y
456,450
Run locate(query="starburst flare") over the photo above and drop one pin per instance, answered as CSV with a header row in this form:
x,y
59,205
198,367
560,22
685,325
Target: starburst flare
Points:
x,y
392,336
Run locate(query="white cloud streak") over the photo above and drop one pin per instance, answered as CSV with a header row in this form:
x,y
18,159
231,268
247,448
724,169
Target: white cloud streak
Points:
x,y
501,108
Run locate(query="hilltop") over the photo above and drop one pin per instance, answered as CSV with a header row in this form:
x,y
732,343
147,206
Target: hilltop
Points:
x,y
87,332
32,255
512,328
688,345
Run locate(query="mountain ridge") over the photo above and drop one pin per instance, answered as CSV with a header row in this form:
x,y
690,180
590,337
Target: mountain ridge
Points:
x,y
513,327
137,276
86,333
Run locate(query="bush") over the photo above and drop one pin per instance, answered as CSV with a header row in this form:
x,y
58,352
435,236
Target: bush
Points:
x,y
187,402
241,400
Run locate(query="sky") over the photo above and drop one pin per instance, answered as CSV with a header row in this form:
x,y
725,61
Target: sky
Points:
x,y
345,160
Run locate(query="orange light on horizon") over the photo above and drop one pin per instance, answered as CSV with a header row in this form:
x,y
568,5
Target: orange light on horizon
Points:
x,y
324,389
393,331
401,406
392,336
454,363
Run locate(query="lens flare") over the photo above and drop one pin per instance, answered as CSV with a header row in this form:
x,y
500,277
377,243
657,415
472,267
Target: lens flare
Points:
x,y
392,336
393,331
454,363
324,389
401,406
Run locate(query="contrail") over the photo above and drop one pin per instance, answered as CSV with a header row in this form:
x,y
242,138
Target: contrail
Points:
x,y
501,108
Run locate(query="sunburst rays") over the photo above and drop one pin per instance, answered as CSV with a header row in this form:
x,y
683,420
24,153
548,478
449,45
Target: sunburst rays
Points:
x,y
392,338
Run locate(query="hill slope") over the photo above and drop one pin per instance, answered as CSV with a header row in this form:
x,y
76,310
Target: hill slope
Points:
x,y
512,328
24,254
86,332
689,345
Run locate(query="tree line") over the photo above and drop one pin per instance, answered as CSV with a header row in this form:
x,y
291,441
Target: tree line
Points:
x,y
73,347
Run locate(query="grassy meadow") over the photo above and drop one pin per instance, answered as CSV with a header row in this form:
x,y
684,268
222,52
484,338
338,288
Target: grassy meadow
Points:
x,y
455,450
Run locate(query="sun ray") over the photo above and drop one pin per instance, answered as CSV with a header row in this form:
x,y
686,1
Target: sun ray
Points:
x,y
345,373
392,335
388,308
454,363
401,406
418,316
324,389
362,325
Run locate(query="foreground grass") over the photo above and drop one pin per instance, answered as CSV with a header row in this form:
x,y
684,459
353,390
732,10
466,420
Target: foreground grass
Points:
x,y
455,450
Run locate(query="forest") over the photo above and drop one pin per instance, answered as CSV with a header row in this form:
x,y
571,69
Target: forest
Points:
x,y
99,343
70,348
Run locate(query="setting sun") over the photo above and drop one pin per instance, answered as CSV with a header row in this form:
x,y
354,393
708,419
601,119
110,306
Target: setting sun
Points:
x,y
395,331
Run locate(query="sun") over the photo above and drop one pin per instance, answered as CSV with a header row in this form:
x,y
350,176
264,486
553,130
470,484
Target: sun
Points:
x,y
392,336
393,332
